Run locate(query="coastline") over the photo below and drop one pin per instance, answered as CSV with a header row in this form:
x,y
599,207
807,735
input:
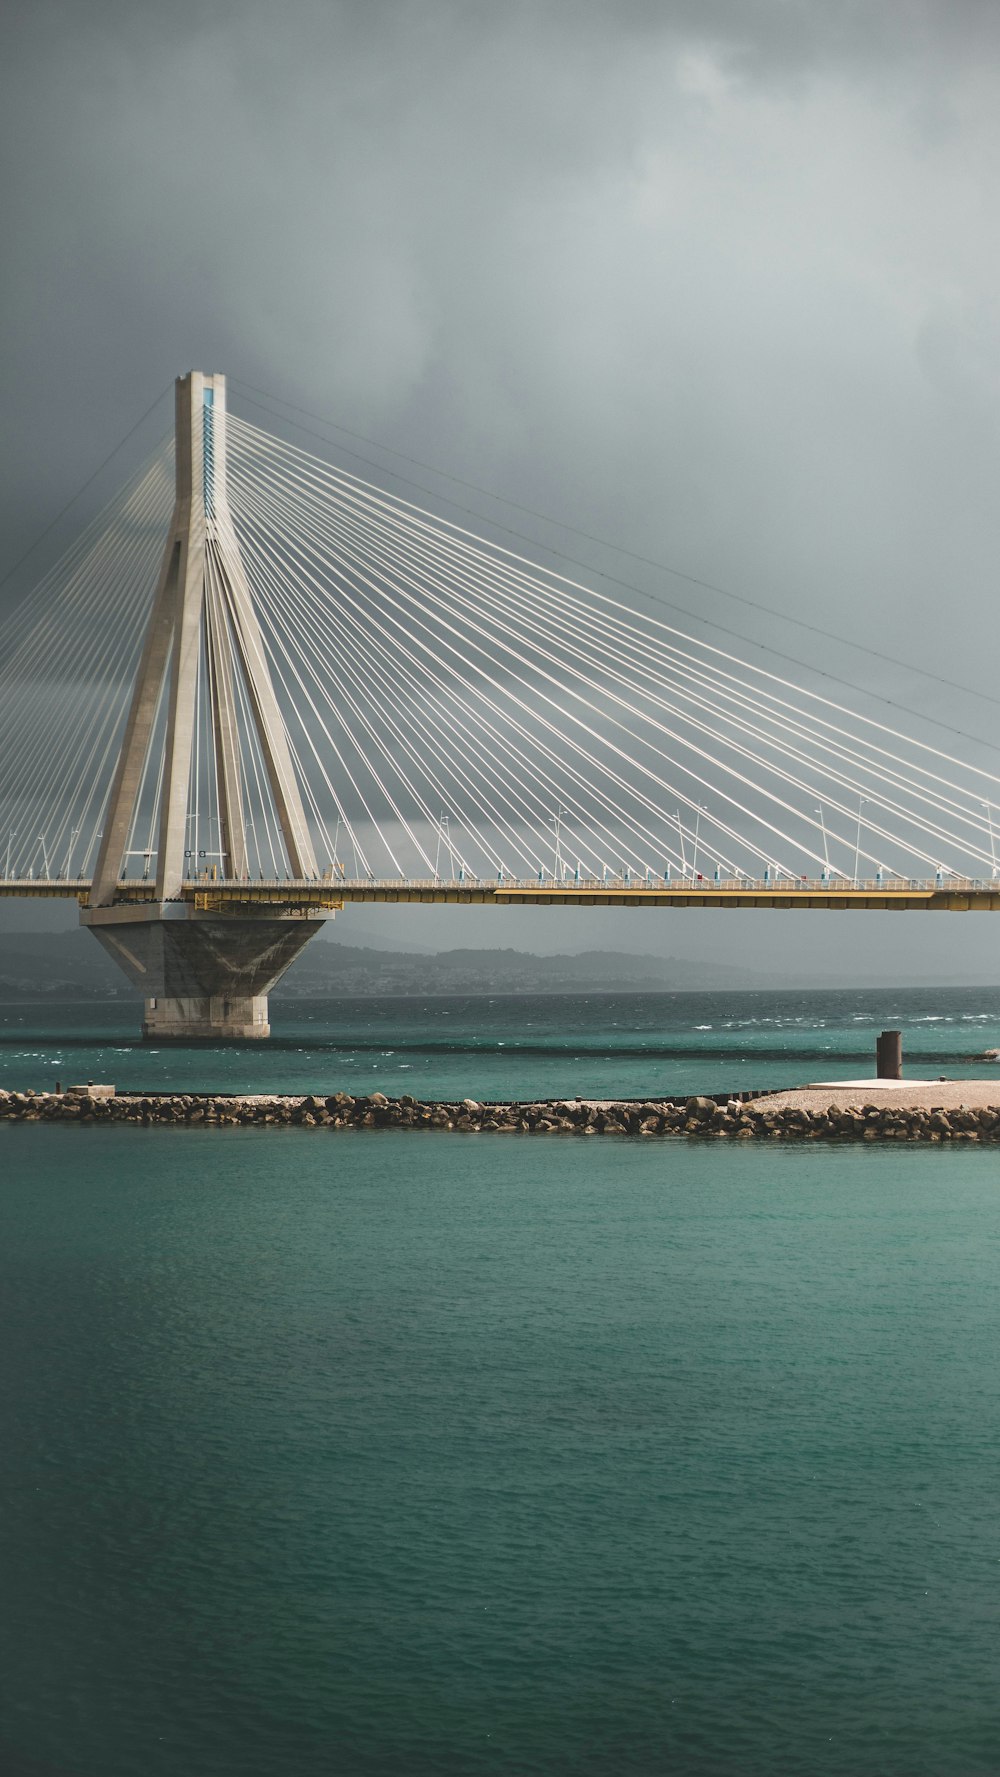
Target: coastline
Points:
x,y
925,1111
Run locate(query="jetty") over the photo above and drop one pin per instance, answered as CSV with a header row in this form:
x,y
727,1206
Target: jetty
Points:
x,y
867,1111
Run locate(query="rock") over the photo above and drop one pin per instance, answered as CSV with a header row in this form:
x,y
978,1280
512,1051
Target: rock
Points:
x,y
699,1116
700,1107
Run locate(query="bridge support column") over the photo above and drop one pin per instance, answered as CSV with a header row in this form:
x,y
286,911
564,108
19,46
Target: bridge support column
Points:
x,y
204,977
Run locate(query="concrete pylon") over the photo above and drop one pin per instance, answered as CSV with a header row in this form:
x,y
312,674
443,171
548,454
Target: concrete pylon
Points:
x,y
203,974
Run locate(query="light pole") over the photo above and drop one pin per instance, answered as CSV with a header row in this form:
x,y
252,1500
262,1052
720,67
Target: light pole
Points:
x,y
69,850
857,846
557,844
10,840
826,852
95,839
697,824
993,851
442,824
680,836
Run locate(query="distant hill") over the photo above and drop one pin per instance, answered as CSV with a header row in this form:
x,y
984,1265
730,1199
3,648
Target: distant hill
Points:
x,y
343,968
57,965
71,965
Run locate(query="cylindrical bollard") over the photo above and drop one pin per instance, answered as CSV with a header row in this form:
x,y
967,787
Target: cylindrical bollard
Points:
x,y
889,1055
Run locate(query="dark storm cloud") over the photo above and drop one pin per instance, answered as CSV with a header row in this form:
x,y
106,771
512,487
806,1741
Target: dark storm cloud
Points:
x,y
717,280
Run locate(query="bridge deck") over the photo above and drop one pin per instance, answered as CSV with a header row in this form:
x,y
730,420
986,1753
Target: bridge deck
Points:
x,y
951,895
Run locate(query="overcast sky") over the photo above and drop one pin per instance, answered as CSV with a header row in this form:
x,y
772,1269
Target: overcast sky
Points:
x,y
714,281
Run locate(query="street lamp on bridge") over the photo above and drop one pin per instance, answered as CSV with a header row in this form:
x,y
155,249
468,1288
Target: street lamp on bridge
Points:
x,y
989,822
862,801
826,850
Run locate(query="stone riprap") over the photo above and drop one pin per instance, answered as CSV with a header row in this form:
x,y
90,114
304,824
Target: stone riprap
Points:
x,y
697,1118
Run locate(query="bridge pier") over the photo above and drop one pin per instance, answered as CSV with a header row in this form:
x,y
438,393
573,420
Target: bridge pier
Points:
x,y
202,976
197,1020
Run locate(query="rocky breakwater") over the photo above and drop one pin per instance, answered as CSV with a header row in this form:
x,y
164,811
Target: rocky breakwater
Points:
x,y
696,1118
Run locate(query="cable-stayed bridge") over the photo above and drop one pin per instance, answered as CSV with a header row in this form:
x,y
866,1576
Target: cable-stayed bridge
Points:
x,y
258,689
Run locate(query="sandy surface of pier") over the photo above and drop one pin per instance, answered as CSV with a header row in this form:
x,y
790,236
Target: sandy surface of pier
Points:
x,y
945,1095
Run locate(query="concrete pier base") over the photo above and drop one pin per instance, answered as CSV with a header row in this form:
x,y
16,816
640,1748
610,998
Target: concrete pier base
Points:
x,y
203,976
194,1020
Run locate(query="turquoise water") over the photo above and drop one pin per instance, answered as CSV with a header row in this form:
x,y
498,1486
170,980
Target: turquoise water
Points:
x,y
516,1047
371,1453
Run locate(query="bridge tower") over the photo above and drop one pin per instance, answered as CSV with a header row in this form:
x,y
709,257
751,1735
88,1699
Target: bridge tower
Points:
x,y
205,972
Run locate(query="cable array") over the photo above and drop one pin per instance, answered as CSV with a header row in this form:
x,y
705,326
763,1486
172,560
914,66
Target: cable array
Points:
x,y
453,711
446,697
68,654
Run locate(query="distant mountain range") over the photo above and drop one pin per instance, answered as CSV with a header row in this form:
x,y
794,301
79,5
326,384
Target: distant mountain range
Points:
x,y
341,968
71,966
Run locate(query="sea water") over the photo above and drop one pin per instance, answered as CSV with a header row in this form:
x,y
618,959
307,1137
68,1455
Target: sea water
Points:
x,y
376,1453
518,1046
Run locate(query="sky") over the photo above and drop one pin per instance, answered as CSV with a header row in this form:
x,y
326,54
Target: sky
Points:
x,y
714,282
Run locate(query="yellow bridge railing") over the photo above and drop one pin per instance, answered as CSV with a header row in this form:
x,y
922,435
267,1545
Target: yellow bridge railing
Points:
x,y
951,894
